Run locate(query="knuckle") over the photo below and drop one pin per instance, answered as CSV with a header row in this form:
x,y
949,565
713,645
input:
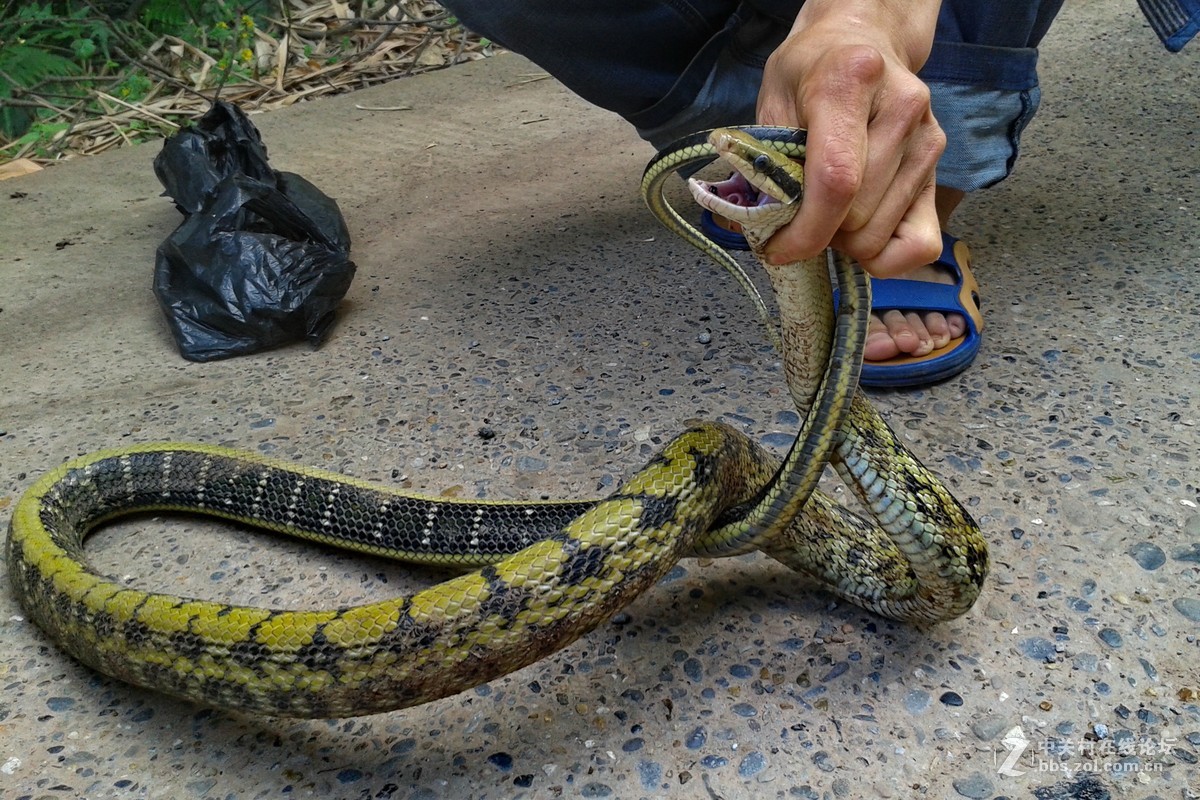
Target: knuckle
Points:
x,y
847,71
937,136
856,219
913,100
840,173
774,109
858,245
842,164
861,63
934,143
930,249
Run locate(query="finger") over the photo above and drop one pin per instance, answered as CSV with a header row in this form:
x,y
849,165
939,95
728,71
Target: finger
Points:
x,y
914,241
904,143
836,108
902,232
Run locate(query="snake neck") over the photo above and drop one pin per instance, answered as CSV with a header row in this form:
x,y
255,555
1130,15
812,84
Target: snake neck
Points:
x,y
800,289
807,338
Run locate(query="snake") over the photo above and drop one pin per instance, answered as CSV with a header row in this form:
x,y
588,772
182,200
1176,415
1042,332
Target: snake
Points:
x,y
534,575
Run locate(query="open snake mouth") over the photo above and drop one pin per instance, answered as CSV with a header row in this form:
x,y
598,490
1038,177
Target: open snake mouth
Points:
x,y
737,190
734,198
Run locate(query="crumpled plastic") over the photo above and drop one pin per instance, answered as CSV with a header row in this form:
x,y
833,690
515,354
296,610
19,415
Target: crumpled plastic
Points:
x,y
262,257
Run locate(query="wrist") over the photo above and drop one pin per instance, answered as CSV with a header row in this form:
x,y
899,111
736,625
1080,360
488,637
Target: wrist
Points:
x,y
901,30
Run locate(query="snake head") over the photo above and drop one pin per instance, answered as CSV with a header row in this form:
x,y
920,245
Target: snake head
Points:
x,y
764,192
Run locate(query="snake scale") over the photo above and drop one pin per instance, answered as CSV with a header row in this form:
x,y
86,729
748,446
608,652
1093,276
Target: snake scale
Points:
x,y
541,573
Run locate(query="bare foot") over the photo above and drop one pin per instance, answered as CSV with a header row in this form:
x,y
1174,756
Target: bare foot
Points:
x,y
896,332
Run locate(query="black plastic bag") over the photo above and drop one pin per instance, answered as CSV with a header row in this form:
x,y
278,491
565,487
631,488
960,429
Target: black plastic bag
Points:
x,y
262,257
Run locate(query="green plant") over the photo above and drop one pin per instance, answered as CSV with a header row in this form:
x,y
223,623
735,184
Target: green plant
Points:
x,y
24,65
39,135
55,55
133,87
89,67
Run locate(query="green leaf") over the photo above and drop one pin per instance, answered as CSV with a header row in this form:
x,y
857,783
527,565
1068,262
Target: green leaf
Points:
x,y
27,65
84,48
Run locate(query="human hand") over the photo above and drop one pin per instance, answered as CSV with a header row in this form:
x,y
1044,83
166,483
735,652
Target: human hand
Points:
x,y
846,72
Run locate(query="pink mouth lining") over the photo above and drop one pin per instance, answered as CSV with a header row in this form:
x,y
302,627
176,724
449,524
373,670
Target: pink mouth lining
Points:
x,y
736,190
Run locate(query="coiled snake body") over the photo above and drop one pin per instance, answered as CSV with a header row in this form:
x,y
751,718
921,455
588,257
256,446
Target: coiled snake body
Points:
x,y
544,572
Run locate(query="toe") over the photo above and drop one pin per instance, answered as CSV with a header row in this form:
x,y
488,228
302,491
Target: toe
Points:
x,y
879,345
938,327
957,325
908,332
896,333
924,339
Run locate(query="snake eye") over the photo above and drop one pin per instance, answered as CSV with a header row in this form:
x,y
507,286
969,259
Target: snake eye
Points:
x,y
762,161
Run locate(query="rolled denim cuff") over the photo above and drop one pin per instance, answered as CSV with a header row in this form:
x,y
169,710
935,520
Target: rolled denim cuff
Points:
x,y
1005,68
1175,21
983,132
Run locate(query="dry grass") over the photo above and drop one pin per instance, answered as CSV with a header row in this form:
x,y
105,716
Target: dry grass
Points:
x,y
316,48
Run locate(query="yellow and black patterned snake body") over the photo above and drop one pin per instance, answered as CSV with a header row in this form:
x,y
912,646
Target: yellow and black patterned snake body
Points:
x,y
545,572
570,573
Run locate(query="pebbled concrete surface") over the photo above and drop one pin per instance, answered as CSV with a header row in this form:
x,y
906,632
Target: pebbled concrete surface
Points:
x,y
509,279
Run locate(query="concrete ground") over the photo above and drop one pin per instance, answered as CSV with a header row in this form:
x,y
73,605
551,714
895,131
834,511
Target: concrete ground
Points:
x,y
509,278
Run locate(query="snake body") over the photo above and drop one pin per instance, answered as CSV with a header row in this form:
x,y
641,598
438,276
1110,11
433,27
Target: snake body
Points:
x,y
543,573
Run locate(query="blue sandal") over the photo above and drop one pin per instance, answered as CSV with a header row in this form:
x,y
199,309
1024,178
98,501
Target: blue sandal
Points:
x,y
961,297
726,233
